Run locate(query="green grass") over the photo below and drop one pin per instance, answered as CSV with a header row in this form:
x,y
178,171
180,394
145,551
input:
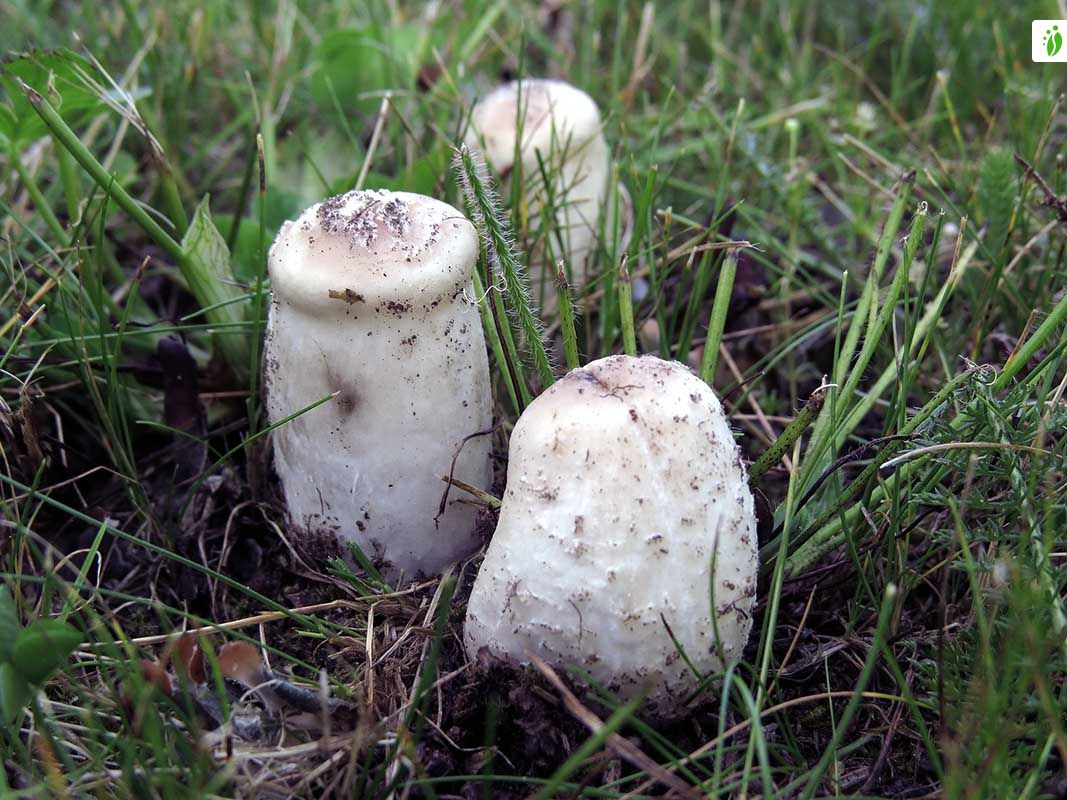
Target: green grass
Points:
x,y
893,254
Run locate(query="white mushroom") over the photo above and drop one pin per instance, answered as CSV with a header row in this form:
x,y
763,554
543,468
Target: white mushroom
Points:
x,y
560,126
627,507
369,303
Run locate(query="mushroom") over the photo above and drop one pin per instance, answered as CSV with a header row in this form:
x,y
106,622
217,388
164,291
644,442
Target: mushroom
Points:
x,y
559,126
370,305
627,514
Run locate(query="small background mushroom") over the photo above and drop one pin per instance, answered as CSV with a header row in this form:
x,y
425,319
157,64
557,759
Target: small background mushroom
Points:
x,y
627,507
562,137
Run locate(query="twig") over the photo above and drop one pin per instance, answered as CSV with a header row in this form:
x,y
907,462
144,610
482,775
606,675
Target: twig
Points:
x,y
936,448
270,616
623,747
729,733
1052,200
451,480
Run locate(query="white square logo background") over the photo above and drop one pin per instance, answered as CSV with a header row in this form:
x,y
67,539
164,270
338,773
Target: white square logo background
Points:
x,y
1042,31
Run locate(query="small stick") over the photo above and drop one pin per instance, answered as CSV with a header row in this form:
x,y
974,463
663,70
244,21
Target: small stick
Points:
x,y
375,137
270,616
1051,198
482,496
621,746
451,480
44,289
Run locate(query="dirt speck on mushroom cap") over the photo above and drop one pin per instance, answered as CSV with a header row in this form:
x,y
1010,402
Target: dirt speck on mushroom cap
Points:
x,y
362,216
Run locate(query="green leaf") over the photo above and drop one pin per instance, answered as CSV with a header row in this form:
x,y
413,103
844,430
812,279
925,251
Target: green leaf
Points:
x,y
42,648
423,176
10,627
354,62
15,693
246,248
211,280
61,69
428,171
281,205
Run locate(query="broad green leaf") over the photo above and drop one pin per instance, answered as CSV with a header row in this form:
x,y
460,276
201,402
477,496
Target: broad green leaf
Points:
x,y
281,205
61,69
44,647
246,248
15,693
428,171
423,176
353,63
212,282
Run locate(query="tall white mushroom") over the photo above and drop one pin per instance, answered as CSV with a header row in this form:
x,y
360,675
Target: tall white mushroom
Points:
x,y
368,303
560,126
627,506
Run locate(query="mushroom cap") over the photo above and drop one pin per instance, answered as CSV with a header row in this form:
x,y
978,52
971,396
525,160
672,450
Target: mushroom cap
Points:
x,y
625,488
556,118
377,247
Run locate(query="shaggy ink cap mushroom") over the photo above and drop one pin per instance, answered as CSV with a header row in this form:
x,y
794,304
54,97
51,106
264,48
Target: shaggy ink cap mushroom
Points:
x,y
559,125
627,504
370,304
